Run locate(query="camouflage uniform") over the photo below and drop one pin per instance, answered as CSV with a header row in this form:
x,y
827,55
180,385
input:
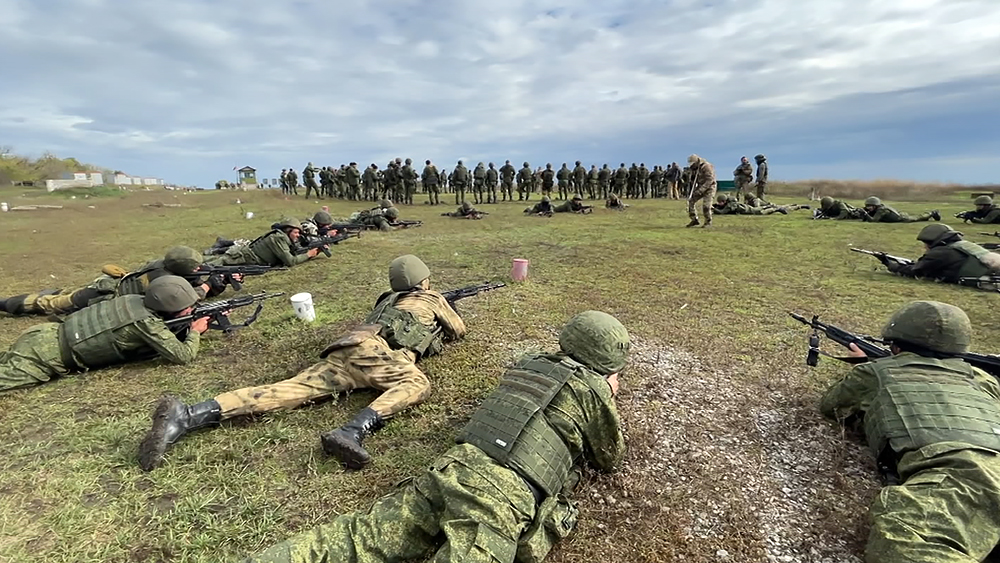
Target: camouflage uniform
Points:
x,y
614,202
621,180
579,179
507,174
486,499
985,213
933,425
352,177
409,177
547,178
563,178
479,182
309,179
743,176
642,181
283,181
604,178
272,249
673,176
884,214
656,182
465,211
293,181
492,177
524,180
761,161
574,205
369,181
326,181
431,178
593,182
633,182
111,332
459,181
703,188
835,209
443,180
949,258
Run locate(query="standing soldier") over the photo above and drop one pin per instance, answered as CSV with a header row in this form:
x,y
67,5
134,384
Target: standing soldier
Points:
x,y
621,180
479,182
283,180
742,177
443,181
703,188
564,177
398,192
293,181
633,181
370,182
548,177
459,181
579,178
492,176
325,181
655,181
593,181
431,179
685,183
643,181
604,178
524,182
536,180
352,177
389,181
761,161
409,182
673,177
507,173
309,178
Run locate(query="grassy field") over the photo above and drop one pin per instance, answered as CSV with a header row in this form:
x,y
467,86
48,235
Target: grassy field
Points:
x,y
719,408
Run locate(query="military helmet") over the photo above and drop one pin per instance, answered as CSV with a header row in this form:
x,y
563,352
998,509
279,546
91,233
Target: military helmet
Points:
x,y
398,160
385,203
577,197
391,213
578,163
937,326
935,232
984,200
406,272
182,260
873,201
721,198
310,165
760,158
169,294
459,162
408,161
526,165
825,202
427,162
545,198
286,223
597,340
322,218
549,165
466,206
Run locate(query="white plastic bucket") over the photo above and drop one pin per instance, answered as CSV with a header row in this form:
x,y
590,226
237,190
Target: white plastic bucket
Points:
x,y
249,214
3,207
302,303
519,271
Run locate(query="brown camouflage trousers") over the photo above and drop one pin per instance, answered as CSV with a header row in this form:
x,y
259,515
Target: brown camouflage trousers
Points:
x,y
741,186
672,190
465,508
33,358
370,364
45,303
761,186
946,511
707,197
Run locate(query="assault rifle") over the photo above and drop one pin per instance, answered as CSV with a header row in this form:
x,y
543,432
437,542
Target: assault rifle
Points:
x,y
985,282
993,234
406,224
883,257
871,347
323,243
349,227
218,313
966,215
228,273
471,291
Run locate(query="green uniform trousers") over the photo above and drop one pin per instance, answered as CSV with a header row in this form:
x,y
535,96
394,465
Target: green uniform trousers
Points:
x,y
465,508
33,358
946,511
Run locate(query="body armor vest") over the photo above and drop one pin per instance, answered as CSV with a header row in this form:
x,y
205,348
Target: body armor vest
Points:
x,y
923,401
973,266
135,283
401,329
89,333
263,252
511,427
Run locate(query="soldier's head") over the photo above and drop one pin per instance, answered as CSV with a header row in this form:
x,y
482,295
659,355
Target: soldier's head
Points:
x,y
491,166
309,165
506,162
545,199
577,197
548,166
374,166
354,165
459,162
466,206
928,326
744,160
182,260
873,203
391,214
526,165
694,161
622,165
578,163
290,227
407,273
722,198
427,162
593,167
984,202
284,169
605,167
398,161
385,203
408,161
596,340
642,165
564,165
171,295
937,234
759,158
480,165
322,218
825,202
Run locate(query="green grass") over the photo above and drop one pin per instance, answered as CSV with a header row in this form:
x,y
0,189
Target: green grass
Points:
x,y
70,489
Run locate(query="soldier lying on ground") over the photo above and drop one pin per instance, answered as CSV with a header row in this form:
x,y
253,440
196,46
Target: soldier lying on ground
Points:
x,y
543,207
830,208
615,202
574,205
727,205
502,493
880,213
274,248
466,211
408,323
984,213
948,258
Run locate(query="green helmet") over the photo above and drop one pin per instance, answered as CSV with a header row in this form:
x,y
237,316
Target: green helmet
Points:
x,y
385,204
597,340
760,158
526,165
577,197
937,326
721,198
825,202
323,218
934,233
169,294
392,214
466,206
873,201
984,200
182,260
287,223
545,198
406,272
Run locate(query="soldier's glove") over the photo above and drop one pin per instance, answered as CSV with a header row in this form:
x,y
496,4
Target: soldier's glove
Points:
x,y
892,265
217,283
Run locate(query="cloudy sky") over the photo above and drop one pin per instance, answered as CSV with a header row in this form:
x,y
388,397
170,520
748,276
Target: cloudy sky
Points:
x,y
188,89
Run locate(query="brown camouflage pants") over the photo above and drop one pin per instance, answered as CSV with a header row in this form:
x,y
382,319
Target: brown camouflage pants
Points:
x,y
370,364
741,186
707,197
57,303
672,190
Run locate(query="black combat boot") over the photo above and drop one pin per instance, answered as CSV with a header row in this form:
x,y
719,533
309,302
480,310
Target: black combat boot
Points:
x,y
693,223
15,305
171,420
936,215
344,443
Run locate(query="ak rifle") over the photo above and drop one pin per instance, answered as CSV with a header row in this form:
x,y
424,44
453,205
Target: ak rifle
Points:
x,y
471,291
323,242
228,274
883,257
218,313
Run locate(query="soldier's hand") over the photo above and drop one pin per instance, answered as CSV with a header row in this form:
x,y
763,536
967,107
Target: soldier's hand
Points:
x,y
312,252
855,352
200,325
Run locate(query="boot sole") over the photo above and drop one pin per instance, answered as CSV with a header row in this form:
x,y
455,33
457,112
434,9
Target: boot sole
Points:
x,y
347,451
154,445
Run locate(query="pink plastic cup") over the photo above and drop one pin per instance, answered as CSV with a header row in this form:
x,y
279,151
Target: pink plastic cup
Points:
x,y
325,208
519,271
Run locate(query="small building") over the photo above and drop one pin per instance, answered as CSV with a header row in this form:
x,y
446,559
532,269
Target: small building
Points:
x,y
248,175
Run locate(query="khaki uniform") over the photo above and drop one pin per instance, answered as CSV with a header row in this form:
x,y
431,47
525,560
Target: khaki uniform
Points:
x,y
365,360
469,507
703,189
272,249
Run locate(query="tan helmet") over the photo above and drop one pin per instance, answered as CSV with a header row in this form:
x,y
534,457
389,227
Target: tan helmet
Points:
x,y
182,260
169,294
406,272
